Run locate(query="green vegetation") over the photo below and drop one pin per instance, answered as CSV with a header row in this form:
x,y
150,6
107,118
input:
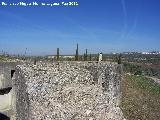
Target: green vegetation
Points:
x,y
119,61
140,98
144,83
131,68
142,69
57,54
86,56
76,57
90,57
7,58
97,57
35,61
141,58
3,58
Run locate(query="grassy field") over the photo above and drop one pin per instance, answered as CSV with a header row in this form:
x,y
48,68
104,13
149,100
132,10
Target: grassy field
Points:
x,y
140,98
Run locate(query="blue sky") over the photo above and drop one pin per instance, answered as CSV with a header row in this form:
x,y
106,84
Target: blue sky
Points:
x,y
98,25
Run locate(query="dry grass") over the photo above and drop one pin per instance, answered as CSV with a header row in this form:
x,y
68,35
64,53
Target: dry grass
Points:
x,y
140,98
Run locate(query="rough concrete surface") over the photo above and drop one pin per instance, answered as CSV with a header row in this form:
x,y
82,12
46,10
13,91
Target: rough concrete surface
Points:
x,y
7,94
68,91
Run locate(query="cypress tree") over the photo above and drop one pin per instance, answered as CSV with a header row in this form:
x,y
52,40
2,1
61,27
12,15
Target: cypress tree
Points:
x,y
98,57
90,57
76,57
35,61
119,59
81,57
57,54
86,56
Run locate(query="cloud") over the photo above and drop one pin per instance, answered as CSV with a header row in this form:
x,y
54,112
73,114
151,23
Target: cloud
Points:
x,y
124,7
124,30
133,27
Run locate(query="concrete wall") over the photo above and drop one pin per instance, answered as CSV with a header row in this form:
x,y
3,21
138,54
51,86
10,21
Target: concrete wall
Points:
x,y
68,90
5,74
7,94
22,101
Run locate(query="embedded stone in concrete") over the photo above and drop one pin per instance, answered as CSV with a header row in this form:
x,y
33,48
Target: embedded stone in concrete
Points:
x,y
68,90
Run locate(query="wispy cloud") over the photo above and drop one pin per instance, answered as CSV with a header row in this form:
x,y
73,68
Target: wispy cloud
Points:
x,y
124,30
127,31
133,27
124,7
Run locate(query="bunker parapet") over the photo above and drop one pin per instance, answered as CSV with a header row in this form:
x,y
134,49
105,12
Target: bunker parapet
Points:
x,y
6,73
68,91
7,94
